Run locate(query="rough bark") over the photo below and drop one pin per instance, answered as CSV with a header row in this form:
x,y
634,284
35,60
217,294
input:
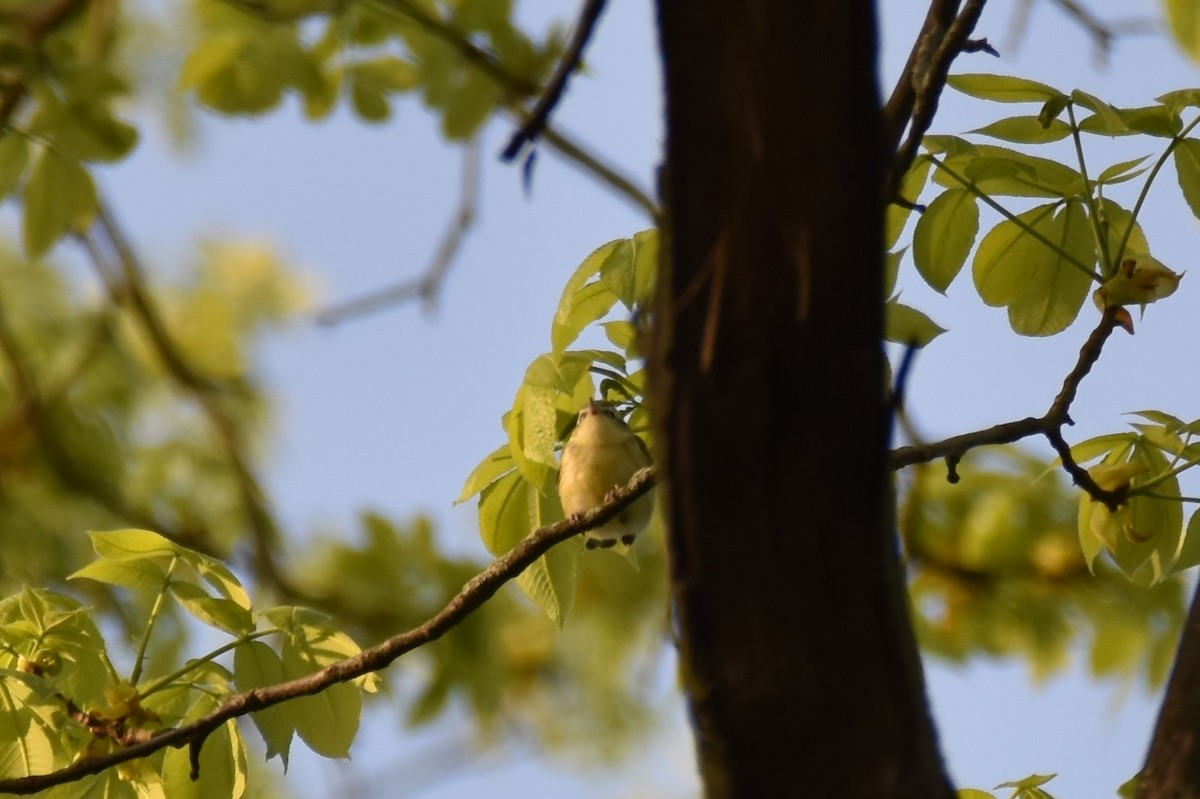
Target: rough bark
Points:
x,y
1172,769
799,657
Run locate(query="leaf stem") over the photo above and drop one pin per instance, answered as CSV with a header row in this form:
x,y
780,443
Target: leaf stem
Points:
x,y
1101,238
1011,217
158,603
163,682
1137,207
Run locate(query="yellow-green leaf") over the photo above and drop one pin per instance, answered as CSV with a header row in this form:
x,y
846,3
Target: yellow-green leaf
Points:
x,y
1003,88
906,325
59,197
1187,167
1026,130
944,236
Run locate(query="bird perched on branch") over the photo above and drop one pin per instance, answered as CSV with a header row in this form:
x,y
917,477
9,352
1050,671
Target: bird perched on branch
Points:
x,y
602,454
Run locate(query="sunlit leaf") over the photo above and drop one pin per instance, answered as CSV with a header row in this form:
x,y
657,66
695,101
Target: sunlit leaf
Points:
x,y
1002,88
1026,130
907,325
944,236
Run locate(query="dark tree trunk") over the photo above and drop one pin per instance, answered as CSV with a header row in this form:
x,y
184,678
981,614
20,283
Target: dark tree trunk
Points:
x,y
797,648
1172,769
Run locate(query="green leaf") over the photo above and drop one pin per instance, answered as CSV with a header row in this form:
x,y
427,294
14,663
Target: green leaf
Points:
x,y
213,55
1026,130
911,187
223,614
630,269
222,764
369,103
1006,255
944,236
891,270
30,740
504,513
136,575
583,302
327,721
492,468
471,103
552,580
14,157
59,197
1187,167
1057,288
387,74
1121,172
1105,118
907,325
1179,99
1168,421
1042,289
256,665
1003,88
131,544
1051,109
1000,170
1153,120
974,793
1183,17
1189,551
1116,220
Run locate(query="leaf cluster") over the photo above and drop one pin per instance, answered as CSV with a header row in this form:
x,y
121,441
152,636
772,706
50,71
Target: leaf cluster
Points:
x,y
252,52
516,482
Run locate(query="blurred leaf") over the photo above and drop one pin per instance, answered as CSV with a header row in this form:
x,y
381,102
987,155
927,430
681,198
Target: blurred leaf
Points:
x,y
59,197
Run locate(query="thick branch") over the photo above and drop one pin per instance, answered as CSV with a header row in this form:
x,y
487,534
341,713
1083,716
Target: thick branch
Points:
x,y
477,590
540,113
1049,425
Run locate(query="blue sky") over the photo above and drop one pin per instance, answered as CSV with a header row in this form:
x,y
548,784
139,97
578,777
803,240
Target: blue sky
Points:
x,y
392,411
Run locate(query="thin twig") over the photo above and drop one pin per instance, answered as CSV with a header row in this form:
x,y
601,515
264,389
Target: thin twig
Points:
x,y
474,593
519,89
539,115
1049,425
427,286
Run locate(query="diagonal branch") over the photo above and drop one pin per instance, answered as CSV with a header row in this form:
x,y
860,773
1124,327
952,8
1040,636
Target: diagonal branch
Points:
x,y
518,88
539,115
915,100
1048,425
474,593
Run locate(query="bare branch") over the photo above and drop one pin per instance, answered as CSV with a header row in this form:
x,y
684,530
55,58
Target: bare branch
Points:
x,y
474,593
519,89
427,286
927,70
1102,32
539,115
1049,425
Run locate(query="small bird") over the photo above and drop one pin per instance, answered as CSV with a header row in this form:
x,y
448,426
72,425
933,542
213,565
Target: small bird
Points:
x,y
602,454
